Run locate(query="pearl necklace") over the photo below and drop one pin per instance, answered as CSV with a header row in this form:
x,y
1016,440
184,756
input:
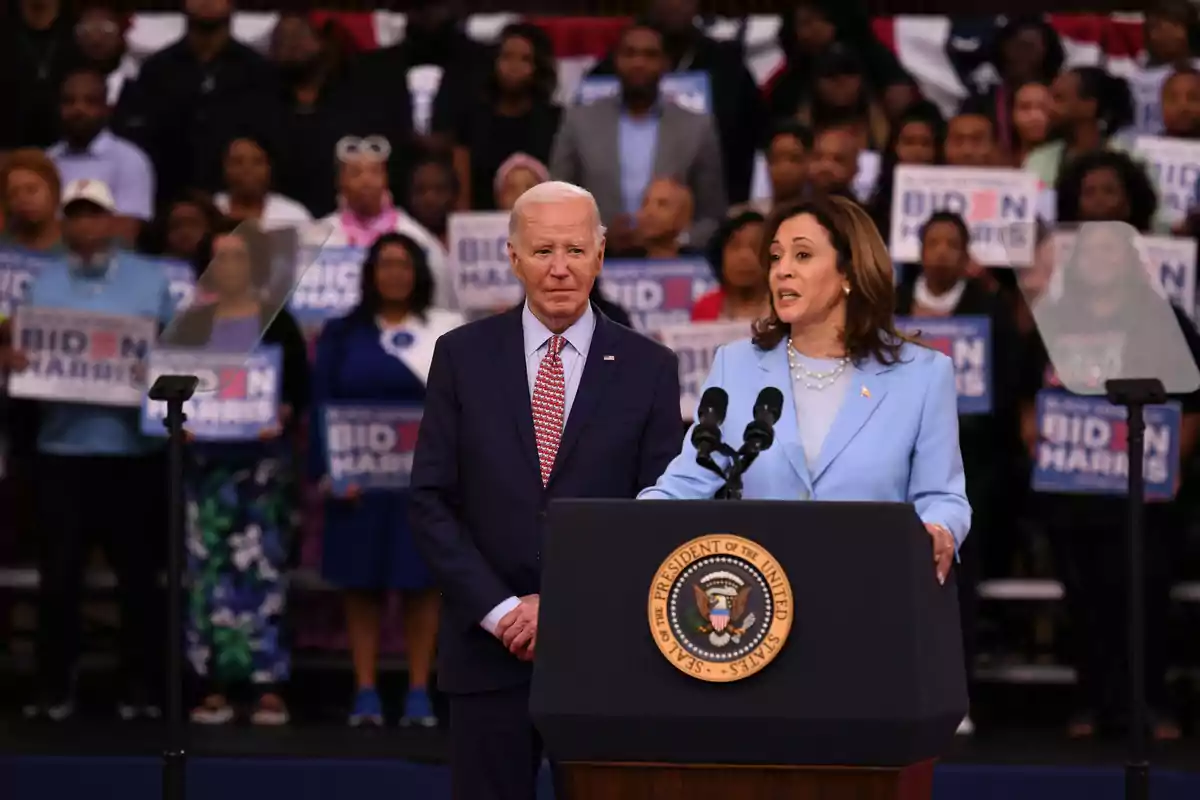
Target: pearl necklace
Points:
x,y
817,381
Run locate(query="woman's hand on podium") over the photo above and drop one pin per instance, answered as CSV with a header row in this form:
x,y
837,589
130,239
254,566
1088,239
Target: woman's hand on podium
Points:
x,y
943,549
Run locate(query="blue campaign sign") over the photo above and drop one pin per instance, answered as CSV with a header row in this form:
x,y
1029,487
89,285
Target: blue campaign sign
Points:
x,y
330,287
691,90
18,268
655,292
244,403
1082,446
182,280
370,447
968,342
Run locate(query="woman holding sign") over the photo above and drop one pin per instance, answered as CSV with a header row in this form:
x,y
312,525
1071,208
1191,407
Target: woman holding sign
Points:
x,y
367,363
866,413
239,491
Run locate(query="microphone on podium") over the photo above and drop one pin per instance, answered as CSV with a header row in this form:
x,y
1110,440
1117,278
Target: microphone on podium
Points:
x,y
759,435
706,435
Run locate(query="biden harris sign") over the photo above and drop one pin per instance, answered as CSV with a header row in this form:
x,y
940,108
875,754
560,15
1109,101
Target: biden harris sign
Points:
x,y
1081,446
329,287
998,205
370,447
81,357
244,401
656,292
968,342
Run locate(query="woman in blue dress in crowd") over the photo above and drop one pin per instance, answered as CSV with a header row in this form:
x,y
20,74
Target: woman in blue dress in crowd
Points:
x,y
241,495
379,354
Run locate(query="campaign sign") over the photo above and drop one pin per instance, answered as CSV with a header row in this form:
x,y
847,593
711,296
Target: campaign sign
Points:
x,y
18,268
690,90
1082,450
329,288
657,292
181,279
1169,260
1174,167
696,344
244,403
482,275
81,356
370,447
999,206
968,342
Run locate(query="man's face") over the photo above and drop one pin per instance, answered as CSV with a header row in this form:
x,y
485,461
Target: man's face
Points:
x,y
98,35
556,256
83,106
640,61
1166,39
664,211
1181,105
834,163
943,254
969,142
86,227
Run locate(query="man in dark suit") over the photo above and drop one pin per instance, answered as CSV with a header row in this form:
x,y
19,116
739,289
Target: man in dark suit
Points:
x,y
549,400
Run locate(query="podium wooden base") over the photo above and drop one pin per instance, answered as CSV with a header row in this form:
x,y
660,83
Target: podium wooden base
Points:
x,y
583,781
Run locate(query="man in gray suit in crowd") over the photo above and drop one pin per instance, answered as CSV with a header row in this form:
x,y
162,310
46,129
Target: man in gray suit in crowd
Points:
x,y
616,146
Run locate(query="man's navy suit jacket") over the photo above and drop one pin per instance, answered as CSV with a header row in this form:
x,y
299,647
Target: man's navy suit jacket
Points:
x,y
478,507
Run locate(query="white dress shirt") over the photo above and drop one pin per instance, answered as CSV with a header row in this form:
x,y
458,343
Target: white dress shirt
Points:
x,y
574,356
278,211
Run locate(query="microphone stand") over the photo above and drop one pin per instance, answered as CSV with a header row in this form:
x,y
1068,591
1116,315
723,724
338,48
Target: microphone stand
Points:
x,y
1135,394
175,390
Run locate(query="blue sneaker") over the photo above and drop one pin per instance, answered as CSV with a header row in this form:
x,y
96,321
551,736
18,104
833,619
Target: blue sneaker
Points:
x,y
368,709
418,710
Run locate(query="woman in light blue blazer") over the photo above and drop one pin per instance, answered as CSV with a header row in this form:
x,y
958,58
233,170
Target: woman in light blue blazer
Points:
x,y
868,415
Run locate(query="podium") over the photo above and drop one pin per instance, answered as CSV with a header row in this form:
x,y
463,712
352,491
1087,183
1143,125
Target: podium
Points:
x,y
638,694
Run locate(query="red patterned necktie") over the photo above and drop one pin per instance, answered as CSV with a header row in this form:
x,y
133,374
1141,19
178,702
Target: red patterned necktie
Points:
x,y
549,406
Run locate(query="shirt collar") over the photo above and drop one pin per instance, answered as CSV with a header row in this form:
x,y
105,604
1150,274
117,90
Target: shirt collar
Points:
x,y
96,148
579,335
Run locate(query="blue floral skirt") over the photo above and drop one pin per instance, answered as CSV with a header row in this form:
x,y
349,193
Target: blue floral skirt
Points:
x,y
239,521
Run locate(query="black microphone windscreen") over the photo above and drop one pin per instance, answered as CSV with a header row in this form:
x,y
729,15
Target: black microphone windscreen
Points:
x,y
715,402
770,399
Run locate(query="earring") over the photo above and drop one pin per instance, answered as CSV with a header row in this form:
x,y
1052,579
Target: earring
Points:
x,y
846,290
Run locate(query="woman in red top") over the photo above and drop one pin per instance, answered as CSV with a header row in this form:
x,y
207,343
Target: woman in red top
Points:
x,y
733,254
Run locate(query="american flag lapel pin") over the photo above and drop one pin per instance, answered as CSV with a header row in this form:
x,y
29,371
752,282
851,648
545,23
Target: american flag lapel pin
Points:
x,y
865,392
610,358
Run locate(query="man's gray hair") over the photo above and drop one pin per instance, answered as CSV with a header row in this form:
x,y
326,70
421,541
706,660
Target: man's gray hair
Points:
x,y
551,192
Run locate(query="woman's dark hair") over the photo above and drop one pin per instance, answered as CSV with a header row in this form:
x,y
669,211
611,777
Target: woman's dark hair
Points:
x,y
422,291
715,252
921,112
545,67
258,249
791,127
1114,101
153,237
947,217
1055,54
863,259
1143,202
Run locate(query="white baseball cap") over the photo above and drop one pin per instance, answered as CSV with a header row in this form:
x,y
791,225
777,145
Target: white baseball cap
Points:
x,y
88,190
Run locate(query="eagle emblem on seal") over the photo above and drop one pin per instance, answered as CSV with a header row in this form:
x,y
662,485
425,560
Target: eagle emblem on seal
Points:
x,y
721,599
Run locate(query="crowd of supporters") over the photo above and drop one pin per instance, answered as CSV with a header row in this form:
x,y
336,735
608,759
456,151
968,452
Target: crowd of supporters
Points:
x,y
107,164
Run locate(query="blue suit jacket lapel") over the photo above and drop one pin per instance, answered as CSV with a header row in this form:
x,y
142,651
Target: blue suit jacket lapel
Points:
x,y
597,376
866,390
787,433
514,380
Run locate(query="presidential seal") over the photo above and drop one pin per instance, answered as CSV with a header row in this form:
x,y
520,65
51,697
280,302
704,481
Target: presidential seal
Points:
x,y
720,608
